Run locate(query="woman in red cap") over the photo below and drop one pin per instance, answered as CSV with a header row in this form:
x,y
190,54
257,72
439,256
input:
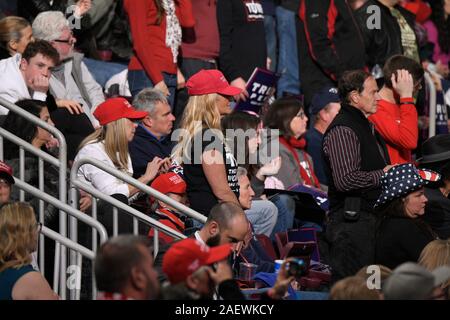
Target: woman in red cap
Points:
x,y
109,144
209,166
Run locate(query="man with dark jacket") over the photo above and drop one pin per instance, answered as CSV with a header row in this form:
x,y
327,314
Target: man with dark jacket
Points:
x,y
356,158
152,136
386,39
329,44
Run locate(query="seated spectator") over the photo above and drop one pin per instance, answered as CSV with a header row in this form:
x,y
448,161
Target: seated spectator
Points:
x,y
70,79
288,116
353,288
27,77
410,281
434,255
152,136
396,117
124,269
210,172
15,34
436,156
376,275
19,232
262,214
402,234
173,186
324,107
109,144
6,182
196,269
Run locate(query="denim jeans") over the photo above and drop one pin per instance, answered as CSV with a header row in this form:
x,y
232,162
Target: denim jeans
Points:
x,y
286,213
271,40
102,71
263,216
138,80
288,64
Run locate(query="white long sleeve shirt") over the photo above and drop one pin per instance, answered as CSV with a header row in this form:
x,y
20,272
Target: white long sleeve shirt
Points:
x,y
98,178
12,84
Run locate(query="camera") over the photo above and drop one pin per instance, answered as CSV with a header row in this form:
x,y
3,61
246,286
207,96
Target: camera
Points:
x,y
297,267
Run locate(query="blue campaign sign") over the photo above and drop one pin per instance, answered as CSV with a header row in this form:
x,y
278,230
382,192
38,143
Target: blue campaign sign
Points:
x,y
260,87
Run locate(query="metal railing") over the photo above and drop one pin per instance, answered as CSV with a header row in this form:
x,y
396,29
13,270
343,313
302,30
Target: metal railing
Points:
x,y
137,215
74,281
432,105
60,162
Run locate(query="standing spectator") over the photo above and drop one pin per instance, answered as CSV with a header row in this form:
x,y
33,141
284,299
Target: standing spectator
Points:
x,y
210,172
436,156
19,232
157,35
6,182
288,59
396,118
109,144
356,158
270,27
388,39
438,29
124,269
401,233
330,43
70,79
242,40
288,116
15,34
152,136
324,107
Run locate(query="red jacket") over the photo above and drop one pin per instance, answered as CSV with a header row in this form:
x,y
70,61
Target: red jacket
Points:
x,y
398,125
149,39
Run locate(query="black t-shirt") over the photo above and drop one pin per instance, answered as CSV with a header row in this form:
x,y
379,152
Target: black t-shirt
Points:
x,y
199,192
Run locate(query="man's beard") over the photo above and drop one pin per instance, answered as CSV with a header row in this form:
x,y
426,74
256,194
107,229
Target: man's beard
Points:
x,y
214,241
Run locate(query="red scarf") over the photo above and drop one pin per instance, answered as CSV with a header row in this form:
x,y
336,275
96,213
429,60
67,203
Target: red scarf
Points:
x,y
299,144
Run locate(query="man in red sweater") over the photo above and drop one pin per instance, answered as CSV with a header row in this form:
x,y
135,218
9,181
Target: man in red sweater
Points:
x,y
396,118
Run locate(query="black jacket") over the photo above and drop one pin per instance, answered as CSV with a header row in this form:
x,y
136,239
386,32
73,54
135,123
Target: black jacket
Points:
x,y
437,212
329,43
380,44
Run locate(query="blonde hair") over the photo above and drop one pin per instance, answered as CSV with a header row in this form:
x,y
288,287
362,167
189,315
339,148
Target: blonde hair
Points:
x,y
436,254
11,30
353,288
18,226
385,272
200,113
114,137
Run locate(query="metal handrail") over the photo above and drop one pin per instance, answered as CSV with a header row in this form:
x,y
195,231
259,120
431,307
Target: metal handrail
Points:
x,y
62,165
137,184
432,105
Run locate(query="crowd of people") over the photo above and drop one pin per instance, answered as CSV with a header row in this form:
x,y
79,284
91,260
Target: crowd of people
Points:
x,y
342,149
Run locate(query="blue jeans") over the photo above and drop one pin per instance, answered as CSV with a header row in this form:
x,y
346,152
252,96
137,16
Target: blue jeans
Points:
x,y
271,40
102,71
138,80
263,216
286,213
288,64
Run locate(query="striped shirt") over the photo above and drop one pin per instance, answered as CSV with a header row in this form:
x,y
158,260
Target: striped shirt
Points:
x,y
342,148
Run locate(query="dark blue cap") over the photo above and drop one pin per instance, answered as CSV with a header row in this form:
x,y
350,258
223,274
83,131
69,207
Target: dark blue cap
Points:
x,y
325,96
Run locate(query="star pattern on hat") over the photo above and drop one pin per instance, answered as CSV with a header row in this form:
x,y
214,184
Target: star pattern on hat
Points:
x,y
402,180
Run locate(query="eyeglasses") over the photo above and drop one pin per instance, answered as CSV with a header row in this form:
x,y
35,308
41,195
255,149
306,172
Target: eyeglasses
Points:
x,y
71,40
300,114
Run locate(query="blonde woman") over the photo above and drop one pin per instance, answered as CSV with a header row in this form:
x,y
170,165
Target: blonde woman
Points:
x,y
109,144
209,166
436,254
19,232
15,34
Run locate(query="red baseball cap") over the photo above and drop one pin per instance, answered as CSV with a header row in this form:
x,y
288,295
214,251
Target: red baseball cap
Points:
x,y
188,255
6,172
210,81
169,183
117,108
